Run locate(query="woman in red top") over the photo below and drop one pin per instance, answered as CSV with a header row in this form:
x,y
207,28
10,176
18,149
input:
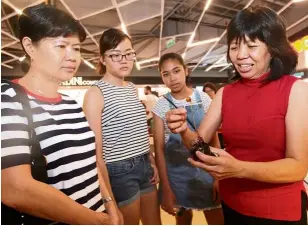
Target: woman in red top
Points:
x,y
265,126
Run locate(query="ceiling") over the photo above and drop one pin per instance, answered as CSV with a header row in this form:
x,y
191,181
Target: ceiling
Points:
x,y
156,27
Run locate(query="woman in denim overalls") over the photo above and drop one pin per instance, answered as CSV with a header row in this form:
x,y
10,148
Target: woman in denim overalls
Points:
x,y
183,187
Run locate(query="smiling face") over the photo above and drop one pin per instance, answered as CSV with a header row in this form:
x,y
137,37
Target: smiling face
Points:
x,y
250,58
174,75
114,64
57,58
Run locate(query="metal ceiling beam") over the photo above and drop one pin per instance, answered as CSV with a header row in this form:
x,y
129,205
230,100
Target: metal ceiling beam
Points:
x,y
7,22
224,7
135,22
220,37
297,22
10,54
10,44
9,35
168,15
107,9
75,17
177,35
15,12
6,65
161,26
193,21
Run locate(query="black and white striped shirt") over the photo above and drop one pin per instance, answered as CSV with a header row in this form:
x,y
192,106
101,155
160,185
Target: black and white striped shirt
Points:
x,y
124,125
65,138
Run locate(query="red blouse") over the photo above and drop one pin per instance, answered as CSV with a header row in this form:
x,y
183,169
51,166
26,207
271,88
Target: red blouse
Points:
x,y
254,130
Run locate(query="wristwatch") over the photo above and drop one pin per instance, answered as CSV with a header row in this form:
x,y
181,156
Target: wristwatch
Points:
x,y
107,199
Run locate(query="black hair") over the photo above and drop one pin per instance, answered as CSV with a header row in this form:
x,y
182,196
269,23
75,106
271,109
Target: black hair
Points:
x,y
172,56
267,26
43,21
148,88
209,85
110,39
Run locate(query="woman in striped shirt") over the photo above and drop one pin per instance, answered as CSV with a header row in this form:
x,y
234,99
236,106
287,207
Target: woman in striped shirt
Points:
x,y
74,187
118,120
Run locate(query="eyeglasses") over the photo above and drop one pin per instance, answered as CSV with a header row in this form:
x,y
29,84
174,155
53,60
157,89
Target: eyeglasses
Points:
x,y
119,57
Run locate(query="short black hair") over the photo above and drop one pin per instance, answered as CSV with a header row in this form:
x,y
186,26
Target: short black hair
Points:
x,y
209,85
148,88
168,56
110,39
43,21
266,25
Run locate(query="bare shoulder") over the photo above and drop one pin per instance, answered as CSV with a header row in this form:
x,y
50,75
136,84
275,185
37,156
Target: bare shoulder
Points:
x,y
300,88
93,98
93,94
220,92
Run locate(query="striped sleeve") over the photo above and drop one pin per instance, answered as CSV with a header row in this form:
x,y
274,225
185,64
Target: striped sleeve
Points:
x,y
14,130
161,108
206,101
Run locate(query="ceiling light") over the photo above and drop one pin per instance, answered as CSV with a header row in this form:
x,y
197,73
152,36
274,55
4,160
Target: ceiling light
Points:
x,y
123,27
191,38
148,60
137,66
22,58
89,64
203,42
224,68
207,5
216,65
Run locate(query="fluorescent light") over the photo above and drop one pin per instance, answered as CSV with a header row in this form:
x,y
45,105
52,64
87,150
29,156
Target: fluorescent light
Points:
x,y
150,65
137,66
183,55
22,58
191,38
207,5
148,60
203,42
217,65
89,64
224,68
123,27
298,0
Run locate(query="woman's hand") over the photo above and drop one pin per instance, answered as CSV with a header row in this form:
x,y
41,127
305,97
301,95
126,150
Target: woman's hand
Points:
x,y
176,120
222,167
168,202
116,216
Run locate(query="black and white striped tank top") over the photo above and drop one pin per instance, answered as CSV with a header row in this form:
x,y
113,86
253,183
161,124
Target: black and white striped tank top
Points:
x,y
124,126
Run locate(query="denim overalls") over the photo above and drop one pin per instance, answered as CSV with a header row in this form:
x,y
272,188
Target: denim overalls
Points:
x,y
192,187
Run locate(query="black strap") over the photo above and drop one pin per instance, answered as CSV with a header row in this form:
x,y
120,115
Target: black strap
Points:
x,y
25,102
38,163
190,123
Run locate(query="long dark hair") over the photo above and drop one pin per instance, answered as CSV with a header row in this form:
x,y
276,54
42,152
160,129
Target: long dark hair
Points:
x,y
266,25
110,39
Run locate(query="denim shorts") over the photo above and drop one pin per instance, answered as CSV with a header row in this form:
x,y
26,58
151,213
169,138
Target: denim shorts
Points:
x,y
130,178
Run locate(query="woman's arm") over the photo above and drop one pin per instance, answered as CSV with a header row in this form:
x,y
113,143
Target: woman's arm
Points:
x,y
20,191
177,122
93,106
290,169
159,145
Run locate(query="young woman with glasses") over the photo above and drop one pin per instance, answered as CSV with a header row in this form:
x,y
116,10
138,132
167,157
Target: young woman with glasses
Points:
x,y
118,120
